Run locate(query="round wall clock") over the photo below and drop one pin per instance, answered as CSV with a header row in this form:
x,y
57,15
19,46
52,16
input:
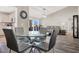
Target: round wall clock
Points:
x,y
23,14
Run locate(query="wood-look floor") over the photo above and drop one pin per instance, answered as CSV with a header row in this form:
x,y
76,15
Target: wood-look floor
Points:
x,y
67,44
64,44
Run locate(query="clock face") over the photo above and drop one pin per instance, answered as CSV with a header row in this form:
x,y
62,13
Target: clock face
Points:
x,y
23,14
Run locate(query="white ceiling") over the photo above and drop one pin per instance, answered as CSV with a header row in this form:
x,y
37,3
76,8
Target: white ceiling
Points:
x,y
34,11
37,11
7,9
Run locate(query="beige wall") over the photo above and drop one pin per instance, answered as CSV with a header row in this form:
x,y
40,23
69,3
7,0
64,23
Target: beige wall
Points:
x,y
61,18
3,18
11,15
22,22
19,22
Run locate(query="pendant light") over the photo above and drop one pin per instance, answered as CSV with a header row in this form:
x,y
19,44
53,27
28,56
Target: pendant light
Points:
x,y
44,13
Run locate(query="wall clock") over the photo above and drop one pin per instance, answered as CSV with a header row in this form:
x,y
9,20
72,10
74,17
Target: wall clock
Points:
x,y
23,14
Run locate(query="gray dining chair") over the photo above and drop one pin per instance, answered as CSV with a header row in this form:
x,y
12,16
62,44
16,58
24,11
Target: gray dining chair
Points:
x,y
46,47
12,43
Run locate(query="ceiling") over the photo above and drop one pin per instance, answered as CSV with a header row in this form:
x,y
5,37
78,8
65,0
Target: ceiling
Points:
x,y
38,11
7,9
34,11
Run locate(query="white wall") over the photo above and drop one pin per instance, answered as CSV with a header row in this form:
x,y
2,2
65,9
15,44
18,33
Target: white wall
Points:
x,y
23,22
61,18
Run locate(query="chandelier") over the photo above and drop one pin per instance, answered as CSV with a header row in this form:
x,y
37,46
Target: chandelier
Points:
x,y
44,15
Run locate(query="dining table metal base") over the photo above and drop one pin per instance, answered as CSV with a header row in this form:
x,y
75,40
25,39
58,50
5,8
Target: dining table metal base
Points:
x,y
34,50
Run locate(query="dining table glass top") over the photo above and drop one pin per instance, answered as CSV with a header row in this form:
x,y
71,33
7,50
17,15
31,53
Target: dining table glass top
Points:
x,y
35,38
33,34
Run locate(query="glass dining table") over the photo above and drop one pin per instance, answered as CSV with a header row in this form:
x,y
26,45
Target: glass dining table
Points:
x,y
35,38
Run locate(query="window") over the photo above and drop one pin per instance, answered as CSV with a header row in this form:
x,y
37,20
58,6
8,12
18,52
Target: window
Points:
x,y
34,25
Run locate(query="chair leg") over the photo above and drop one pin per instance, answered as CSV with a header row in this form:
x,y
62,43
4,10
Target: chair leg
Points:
x,y
31,50
53,50
9,50
39,50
